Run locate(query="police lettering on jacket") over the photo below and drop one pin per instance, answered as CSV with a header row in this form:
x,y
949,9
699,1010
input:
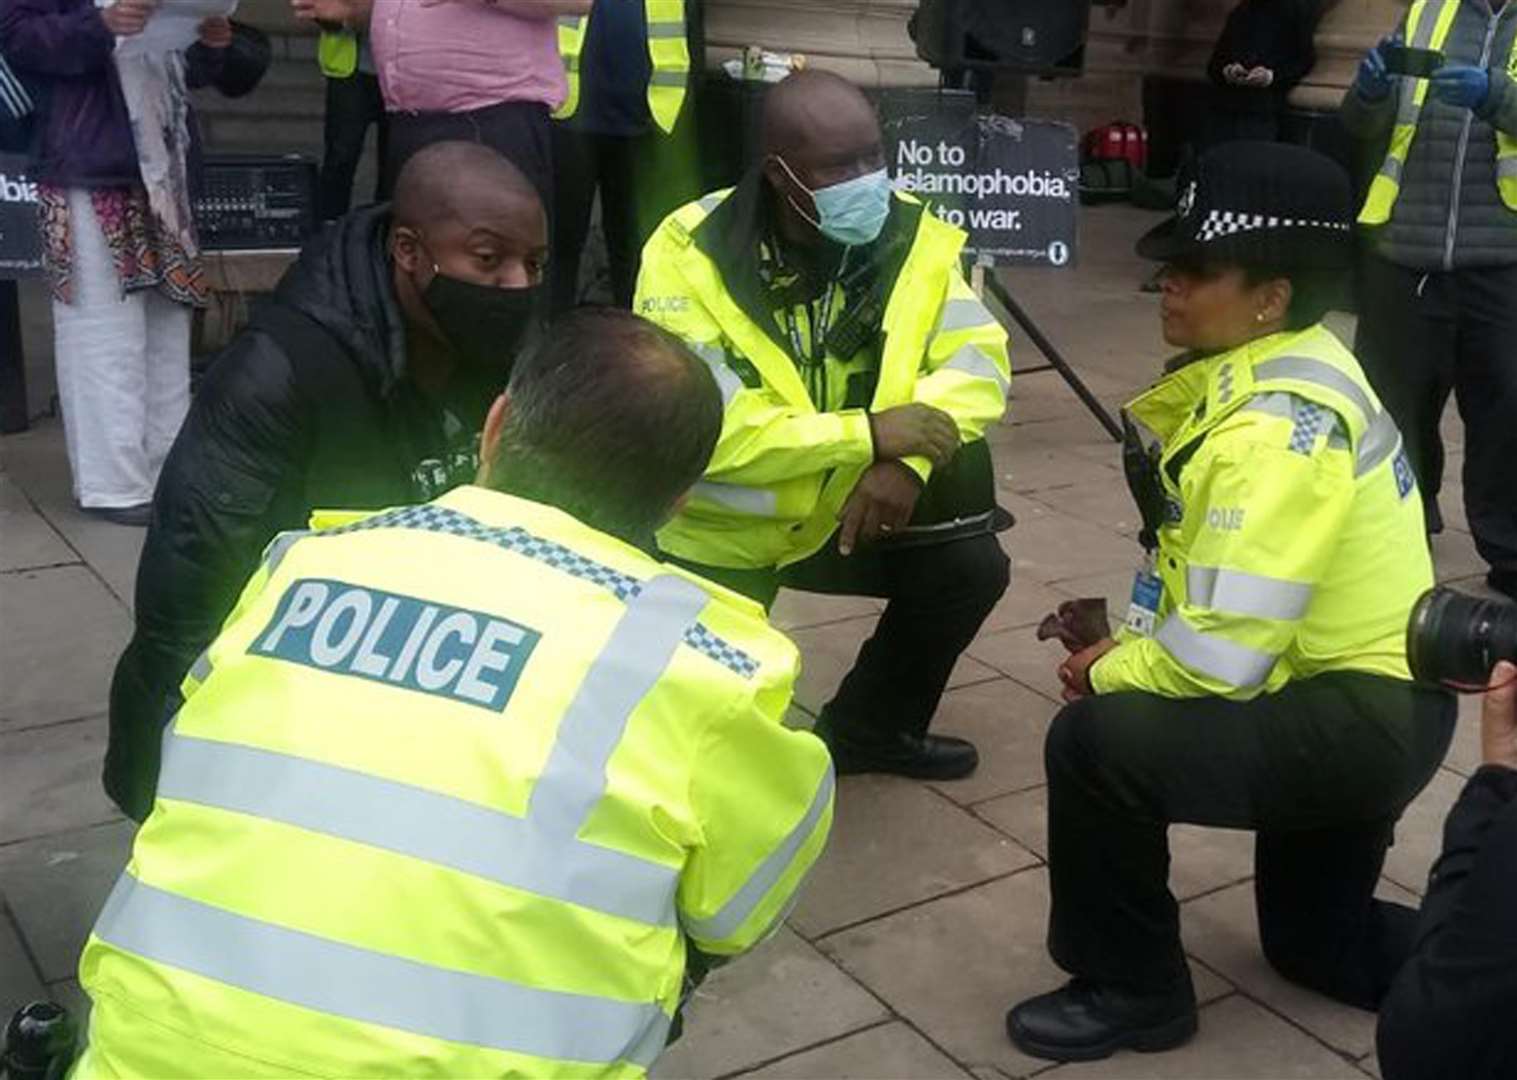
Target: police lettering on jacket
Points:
x,y
407,642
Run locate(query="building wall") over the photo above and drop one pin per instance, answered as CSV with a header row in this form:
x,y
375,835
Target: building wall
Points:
x,y
867,41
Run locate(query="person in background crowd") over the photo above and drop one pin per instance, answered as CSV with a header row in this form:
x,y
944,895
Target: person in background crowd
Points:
x,y
363,383
123,284
486,71
462,789
619,133
1449,1012
354,104
1439,274
1261,681
854,361
1266,48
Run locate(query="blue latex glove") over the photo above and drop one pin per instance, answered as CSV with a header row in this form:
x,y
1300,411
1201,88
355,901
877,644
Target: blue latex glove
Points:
x,y
1462,86
1373,82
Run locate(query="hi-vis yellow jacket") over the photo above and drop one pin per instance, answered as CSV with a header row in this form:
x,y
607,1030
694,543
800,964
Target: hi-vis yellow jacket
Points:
x,y
668,49
1427,27
444,798
1293,542
337,53
783,469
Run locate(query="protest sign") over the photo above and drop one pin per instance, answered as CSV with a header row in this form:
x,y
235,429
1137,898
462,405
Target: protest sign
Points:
x,y
1013,185
20,234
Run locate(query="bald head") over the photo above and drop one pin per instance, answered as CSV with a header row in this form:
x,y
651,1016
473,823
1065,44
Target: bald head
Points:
x,y
459,181
462,210
819,130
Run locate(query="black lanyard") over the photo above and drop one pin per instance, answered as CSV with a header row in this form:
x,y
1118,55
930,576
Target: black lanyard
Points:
x,y
813,362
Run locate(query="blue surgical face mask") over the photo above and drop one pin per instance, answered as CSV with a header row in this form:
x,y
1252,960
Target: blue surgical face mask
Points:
x,y
852,212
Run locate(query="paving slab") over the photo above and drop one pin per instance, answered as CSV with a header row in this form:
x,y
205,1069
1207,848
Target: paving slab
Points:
x,y
1222,930
795,610
1419,833
1053,547
1025,602
50,779
60,635
1201,860
1035,467
1454,555
19,982
888,1052
27,541
896,843
38,463
953,967
783,997
56,885
1018,654
1107,504
1238,1040
1007,722
828,653
1371,1065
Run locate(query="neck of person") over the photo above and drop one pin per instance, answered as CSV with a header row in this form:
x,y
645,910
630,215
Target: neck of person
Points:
x,y
802,247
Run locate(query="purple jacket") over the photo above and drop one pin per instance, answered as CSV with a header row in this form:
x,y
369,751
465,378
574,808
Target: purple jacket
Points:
x,y
64,46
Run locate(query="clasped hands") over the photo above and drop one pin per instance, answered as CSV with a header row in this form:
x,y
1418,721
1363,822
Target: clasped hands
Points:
x,y
885,497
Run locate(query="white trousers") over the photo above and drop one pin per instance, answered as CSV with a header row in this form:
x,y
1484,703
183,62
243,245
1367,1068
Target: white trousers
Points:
x,y
123,372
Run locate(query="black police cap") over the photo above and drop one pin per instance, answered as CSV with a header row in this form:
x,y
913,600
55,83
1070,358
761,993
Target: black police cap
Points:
x,y
1259,204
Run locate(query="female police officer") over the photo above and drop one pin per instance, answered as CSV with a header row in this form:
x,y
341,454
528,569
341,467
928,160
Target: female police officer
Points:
x,y
1261,680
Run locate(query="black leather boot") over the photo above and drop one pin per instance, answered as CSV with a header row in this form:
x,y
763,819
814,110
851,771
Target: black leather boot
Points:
x,y
925,757
1085,1021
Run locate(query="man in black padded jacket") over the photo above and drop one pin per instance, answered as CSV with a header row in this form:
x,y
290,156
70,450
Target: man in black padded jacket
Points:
x,y
362,384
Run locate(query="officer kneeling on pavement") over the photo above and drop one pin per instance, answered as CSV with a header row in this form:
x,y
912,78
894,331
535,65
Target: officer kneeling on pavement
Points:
x,y
462,786
859,373
1262,680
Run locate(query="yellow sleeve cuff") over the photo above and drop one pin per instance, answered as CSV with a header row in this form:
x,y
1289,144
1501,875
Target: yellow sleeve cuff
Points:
x,y
919,465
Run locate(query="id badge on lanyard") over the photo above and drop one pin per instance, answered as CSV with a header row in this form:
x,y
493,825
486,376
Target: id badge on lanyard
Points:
x,y
1147,593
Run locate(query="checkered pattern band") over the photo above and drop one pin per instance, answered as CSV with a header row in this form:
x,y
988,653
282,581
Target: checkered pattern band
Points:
x,y
1219,223
1309,423
439,519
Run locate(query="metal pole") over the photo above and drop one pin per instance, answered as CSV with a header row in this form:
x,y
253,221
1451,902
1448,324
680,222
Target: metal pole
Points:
x,y
1055,360
13,409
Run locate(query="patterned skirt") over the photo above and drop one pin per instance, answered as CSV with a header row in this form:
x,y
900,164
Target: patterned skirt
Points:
x,y
146,256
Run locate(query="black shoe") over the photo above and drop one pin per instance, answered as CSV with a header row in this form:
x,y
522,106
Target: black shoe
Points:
x,y
136,517
1085,1022
926,757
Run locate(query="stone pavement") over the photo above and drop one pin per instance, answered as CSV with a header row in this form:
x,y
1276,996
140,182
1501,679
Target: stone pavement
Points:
x,y
926,918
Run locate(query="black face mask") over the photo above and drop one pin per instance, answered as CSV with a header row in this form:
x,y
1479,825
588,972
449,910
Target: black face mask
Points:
x,y
485,325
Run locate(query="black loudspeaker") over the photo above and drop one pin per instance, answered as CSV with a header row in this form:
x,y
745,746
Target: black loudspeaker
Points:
x,y
1033,37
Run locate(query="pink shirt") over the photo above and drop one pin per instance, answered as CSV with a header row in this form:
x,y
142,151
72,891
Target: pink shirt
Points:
x,y
460,55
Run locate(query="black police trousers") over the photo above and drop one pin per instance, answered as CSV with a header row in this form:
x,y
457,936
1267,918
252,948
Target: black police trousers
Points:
x,y
938,597
1422,336
1320,771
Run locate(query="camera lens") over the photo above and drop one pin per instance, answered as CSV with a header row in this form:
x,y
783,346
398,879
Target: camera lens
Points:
x,y
1456,638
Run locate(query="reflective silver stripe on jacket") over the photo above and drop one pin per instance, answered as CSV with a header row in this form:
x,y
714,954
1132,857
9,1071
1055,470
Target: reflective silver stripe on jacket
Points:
x,y
201,669
1380,441
1206,654
571,22
1506,168
1305,369
280,546
964,314
737,911
759,502
667,29
368,987
1236,592
973,360
727,380
669,78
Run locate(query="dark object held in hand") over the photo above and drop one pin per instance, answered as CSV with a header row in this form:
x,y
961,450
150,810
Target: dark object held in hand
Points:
x,y
39,1043
1456,639
1078,624
1413,63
